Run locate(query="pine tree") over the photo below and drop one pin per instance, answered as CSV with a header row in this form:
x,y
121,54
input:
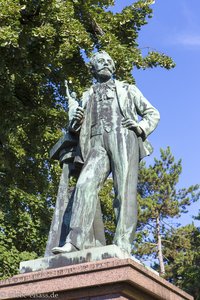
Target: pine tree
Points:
x,y
181,248
160,201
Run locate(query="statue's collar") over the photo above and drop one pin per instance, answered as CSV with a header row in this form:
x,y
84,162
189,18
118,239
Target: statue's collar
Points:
x,y
110,84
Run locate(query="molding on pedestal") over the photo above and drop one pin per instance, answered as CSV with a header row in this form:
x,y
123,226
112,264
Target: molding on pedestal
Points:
x,y
108,279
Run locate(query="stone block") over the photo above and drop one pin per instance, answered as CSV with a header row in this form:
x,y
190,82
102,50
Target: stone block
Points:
x,y
111,278
66,259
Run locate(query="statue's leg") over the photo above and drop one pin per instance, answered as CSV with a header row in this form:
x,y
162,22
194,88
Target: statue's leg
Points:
x,y
96,169
96,235
124,165
61,204
98,227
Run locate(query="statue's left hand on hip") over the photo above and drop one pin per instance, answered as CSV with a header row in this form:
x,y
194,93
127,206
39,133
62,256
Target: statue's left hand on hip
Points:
x,y
132,125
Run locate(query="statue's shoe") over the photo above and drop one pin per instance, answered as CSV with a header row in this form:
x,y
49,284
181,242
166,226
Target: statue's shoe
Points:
x,y
67,248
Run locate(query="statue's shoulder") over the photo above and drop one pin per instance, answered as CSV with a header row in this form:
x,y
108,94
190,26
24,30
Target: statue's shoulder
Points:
x,y
125,85
121,83
87,92
133,89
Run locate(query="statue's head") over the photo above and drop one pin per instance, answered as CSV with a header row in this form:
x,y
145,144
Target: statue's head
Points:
x,y
102,66
73,95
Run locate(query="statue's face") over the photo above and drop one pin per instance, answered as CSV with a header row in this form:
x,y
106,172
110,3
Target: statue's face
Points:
x,y
103,66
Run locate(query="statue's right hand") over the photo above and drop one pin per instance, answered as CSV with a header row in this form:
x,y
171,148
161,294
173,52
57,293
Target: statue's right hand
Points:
x,y
78,116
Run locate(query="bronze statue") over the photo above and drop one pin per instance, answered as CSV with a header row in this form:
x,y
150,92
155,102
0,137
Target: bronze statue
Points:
x,y
111,140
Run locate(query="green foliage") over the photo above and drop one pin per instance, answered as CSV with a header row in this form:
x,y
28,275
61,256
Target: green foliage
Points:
x,y
182,252
41,44
198,216
160,201
158,188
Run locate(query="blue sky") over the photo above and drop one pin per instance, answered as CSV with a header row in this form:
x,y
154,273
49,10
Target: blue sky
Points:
x,y
175,31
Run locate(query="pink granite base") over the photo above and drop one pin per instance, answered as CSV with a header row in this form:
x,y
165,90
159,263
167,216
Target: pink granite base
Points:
x,y
102,280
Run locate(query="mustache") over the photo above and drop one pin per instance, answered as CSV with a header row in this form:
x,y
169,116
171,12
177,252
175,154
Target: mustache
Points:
x,y
106,68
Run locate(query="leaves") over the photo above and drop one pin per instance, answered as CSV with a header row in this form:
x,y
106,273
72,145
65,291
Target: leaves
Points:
x,y
183,255
158,234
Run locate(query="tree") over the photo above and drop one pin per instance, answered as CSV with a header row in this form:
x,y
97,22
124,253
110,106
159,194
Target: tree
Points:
x,y
160,201
182,252
41,44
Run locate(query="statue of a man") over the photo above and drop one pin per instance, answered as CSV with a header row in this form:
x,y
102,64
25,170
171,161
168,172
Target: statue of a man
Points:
x,y
112,140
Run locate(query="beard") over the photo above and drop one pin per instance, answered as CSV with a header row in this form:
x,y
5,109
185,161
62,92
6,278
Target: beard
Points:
x,y
104,74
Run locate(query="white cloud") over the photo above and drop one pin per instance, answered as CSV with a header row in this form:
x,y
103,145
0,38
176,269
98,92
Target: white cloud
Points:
x,y
188,40
189,14
188,34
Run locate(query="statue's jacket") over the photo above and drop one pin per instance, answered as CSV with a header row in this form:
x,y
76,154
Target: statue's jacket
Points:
x,y
132,104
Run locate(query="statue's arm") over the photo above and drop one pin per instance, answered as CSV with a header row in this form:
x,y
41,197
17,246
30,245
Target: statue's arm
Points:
x,y
72,103
77,120
72,106
150,116
76,115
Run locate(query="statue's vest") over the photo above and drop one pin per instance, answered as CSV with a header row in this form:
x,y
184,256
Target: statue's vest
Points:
x,y
106,115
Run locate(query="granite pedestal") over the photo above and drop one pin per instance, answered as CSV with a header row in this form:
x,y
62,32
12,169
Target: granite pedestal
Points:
x,y
110,278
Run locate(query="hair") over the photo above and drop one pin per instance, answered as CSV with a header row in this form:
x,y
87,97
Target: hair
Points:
x,y
94,58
